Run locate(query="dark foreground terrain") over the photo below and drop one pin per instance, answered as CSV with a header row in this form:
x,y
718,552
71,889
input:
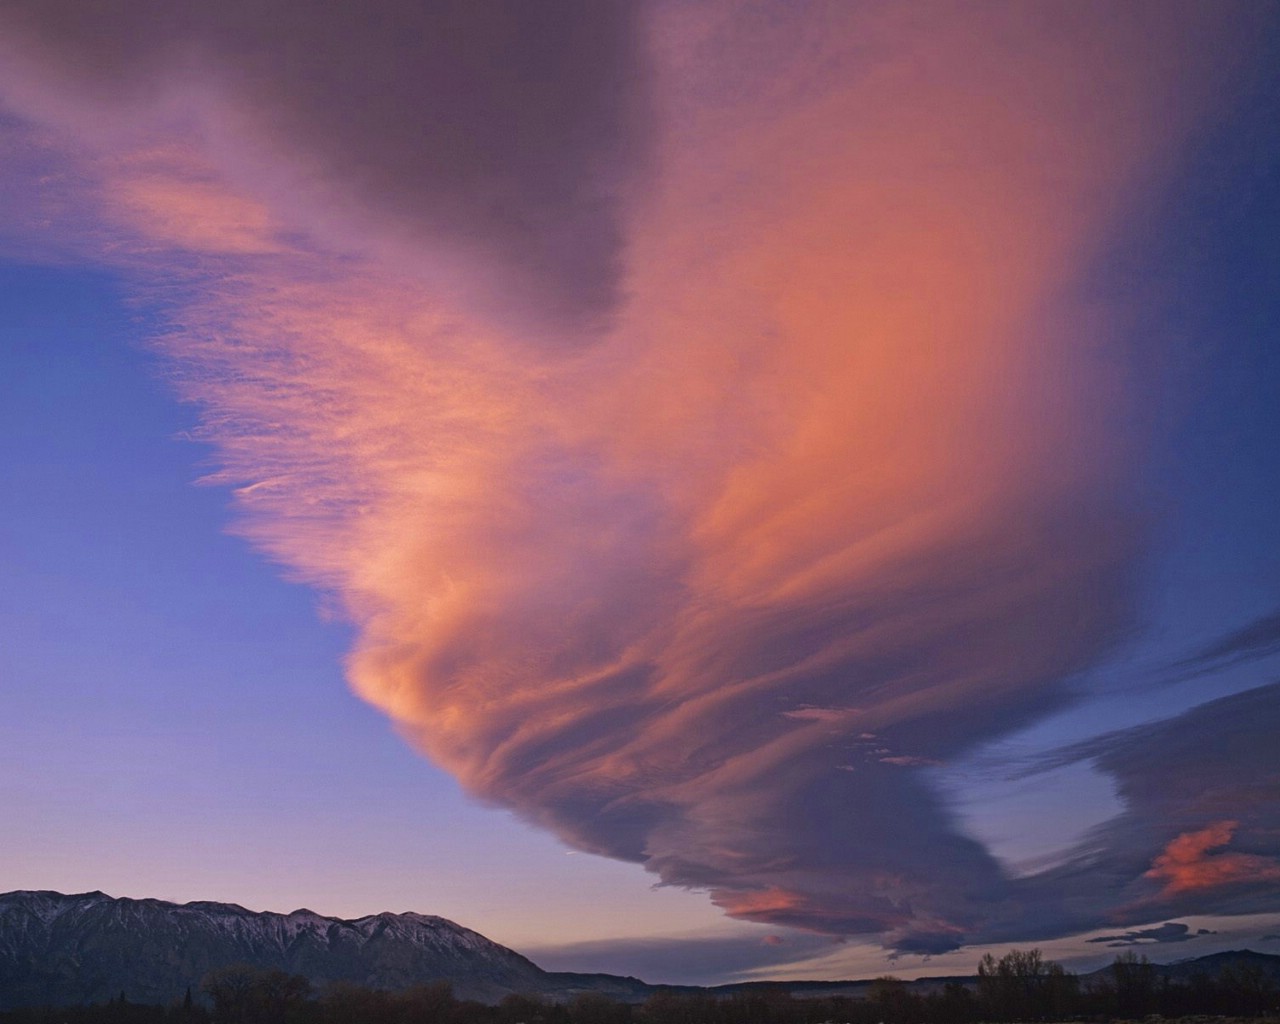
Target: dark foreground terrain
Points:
x,y
92,959
245,996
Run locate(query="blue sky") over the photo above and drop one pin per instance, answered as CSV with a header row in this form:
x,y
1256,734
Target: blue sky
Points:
x,y
176,723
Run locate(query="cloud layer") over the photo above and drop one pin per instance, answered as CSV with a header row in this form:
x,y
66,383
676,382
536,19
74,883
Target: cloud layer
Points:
x,y
693,406
1171,852
490,135
688,960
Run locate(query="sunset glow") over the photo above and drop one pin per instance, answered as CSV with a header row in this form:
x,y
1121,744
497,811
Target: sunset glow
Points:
x,y
719,424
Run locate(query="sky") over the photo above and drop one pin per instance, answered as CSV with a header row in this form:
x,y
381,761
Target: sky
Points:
x,y
695,490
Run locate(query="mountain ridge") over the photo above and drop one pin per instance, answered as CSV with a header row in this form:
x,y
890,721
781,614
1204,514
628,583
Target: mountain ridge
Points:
x,y
87,947
63,949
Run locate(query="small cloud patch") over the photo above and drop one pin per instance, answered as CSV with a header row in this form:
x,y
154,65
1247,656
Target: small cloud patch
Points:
x,y
1170,931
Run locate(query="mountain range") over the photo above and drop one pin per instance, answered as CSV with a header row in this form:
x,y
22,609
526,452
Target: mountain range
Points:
x,y
58,949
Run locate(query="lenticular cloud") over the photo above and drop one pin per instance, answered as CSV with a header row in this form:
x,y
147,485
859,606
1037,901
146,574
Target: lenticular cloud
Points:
x,y
702,477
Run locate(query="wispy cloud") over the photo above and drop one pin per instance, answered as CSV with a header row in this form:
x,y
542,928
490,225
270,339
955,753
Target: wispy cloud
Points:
x,y
1257,640
674,397
686,960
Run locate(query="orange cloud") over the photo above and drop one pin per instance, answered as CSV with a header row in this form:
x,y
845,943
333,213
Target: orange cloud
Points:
x,y
172,204
839,461
1188,863
761,904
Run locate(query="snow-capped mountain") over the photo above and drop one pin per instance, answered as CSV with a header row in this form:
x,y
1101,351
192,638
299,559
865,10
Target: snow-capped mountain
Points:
x,y
60,949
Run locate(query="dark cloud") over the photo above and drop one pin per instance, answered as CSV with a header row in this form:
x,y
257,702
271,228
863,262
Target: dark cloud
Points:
x,y
762,815
1259,639
1167,932
1218,760
1270,938
503,131
1200,829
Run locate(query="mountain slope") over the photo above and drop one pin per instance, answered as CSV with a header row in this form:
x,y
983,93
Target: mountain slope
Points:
x,y
58,949
1213,965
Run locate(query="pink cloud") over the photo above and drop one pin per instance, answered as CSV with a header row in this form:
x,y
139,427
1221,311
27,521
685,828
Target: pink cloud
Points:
x,y
812,714
822,450
1188,863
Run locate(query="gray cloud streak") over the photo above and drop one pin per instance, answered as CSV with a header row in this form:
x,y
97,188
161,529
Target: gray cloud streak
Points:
x,y
685,961
1253,642
1170,931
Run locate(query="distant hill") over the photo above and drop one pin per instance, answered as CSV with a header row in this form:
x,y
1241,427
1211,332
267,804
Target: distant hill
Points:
x,y
61,950
1212,965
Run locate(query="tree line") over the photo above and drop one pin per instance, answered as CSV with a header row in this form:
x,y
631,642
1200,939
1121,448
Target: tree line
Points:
x,y
1020,986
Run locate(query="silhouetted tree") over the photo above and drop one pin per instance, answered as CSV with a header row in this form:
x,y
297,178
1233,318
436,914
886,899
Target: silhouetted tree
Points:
x,y
675,1008
1134,978
243,994
893,1003
523,1009
1023,985
955,1004
1247,990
